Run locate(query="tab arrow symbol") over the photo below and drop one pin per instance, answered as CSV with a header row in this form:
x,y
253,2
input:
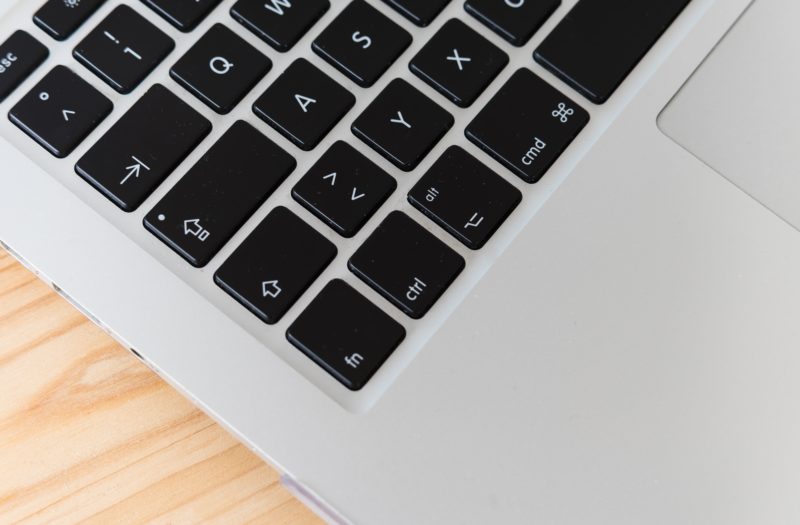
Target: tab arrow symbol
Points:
x,y
270,289
134,170
67,113
192,227
356,195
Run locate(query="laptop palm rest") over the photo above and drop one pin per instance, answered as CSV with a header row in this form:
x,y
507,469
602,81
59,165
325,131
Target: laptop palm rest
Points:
x,y
740,113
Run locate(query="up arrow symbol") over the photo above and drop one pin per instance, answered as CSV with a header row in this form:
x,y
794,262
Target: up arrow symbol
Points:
x,y
270,289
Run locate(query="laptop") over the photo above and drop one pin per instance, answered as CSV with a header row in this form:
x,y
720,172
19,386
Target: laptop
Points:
x,y
468,261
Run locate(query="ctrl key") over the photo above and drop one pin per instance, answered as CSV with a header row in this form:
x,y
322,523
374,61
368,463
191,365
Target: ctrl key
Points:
x,y
346,334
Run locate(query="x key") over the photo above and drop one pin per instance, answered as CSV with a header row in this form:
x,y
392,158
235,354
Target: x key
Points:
x,y
459,63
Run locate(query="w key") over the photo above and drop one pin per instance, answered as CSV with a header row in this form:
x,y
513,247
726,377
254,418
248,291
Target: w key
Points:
x,y
212,201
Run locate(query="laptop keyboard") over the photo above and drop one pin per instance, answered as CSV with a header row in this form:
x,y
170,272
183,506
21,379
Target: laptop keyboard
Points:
x,y
525,126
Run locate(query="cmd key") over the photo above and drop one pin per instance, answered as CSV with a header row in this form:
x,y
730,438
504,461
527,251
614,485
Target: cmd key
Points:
x,y
345,334
406,264
219,193
60,111
268,281
143,147
527,125
596,46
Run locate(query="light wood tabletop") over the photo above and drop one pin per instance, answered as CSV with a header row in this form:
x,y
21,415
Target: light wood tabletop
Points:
x,y
88,433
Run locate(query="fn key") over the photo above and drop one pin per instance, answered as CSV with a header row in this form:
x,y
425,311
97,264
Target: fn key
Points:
x,y
346,334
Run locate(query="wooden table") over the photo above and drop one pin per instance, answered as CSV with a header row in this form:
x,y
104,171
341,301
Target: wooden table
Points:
x,y
89,433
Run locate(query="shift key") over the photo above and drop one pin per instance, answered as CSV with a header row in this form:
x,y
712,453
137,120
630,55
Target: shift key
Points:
x,y
219,193
527,125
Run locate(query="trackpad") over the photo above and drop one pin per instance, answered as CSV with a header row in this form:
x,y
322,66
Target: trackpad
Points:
x,y
740,111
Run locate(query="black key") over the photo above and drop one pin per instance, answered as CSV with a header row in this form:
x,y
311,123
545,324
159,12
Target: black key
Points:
x,y
60,111
344,189
421,12
465,197
346,335
304,104
123,49
220,69
279,23
60,18
406,264
212,201
596,46
514,20
183,14
20,55
527,125
362,43
459,63
275,265
143,147
402,124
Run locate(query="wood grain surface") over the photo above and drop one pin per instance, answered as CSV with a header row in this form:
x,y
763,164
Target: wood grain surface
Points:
x,y
89,434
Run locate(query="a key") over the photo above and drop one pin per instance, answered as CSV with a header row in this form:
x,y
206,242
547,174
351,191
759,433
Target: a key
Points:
x,y
406,264
60,111
279,23
275,265
123,49
362,43
514,20
304,104
527,125
344,189
143,147
596,46
465,197
345,334
183,14
402,124
421,12
60,18
20,55
459,63
220,69
219,193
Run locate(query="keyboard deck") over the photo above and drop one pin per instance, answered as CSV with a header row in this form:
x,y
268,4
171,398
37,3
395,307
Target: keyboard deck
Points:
x,y
335,176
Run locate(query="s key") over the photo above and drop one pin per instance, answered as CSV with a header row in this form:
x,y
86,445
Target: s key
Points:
x,y
362,43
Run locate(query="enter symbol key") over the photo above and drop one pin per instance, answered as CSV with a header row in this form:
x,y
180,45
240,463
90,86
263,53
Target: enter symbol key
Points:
x,y
465,197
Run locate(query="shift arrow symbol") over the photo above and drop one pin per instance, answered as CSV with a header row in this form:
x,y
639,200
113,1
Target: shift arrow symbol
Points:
x,y
192,227
67,113
270,289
